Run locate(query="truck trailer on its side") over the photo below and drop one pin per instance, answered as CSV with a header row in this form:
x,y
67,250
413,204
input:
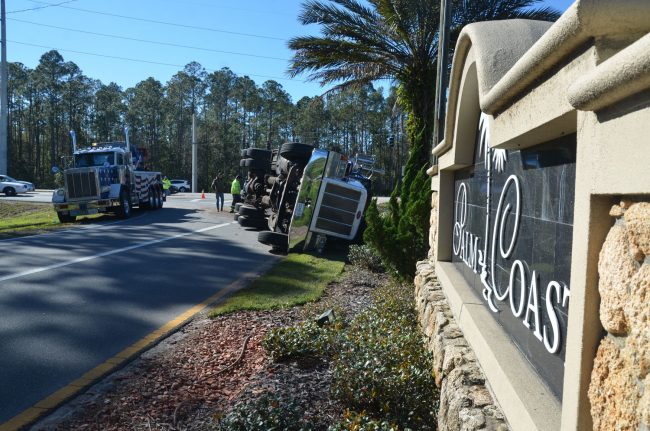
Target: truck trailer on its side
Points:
x,y
105,178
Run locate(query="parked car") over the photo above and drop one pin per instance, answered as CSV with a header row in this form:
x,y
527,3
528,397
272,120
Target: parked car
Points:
x,y
30,186
11,188
182,185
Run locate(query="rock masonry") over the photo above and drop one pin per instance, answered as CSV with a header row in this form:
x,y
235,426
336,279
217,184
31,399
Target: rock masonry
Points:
x,y
619,391
465,402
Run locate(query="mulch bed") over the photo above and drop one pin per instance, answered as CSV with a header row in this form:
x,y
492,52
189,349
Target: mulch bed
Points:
x,y
189,382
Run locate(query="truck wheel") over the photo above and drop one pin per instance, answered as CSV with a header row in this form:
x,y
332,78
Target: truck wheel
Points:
x,y
9,191
151,201
237,206
256,223
256,164
124,210
278,240
66,218
250,211
159,198
296,152
236,217
259,154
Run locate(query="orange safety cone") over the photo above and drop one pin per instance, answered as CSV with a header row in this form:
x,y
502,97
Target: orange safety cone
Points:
x,y
202,194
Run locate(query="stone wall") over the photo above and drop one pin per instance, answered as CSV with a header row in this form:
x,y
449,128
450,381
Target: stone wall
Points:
x,y
465,402
620,381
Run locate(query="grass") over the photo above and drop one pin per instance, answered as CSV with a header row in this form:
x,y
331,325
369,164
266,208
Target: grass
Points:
x,y
296,280
22,219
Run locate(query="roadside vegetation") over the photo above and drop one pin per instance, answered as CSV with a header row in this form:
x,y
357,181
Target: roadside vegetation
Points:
x,y
23,219
381,371
296,280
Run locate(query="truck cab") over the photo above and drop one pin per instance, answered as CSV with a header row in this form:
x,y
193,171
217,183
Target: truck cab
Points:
x,y
104,177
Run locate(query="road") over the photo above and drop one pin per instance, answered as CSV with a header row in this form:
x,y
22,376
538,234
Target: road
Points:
x,y
73,300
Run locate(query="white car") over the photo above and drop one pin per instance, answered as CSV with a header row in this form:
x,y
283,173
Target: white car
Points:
x,y
182,185
10,188
7,178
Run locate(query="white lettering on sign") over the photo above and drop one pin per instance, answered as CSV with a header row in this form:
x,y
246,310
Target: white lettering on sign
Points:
x,y
522,291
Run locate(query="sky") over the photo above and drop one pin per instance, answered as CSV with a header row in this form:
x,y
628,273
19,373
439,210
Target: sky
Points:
x,y
127,41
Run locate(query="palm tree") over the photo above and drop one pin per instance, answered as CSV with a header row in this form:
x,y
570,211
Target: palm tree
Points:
x,y
364,41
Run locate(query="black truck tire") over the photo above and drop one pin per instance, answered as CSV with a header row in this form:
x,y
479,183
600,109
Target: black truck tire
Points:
x,y
256,223
296,152
66,218
259,154
256,164
278,240
250,211
237,206
124,210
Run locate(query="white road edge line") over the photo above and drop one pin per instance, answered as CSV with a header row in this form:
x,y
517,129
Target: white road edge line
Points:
x,y
108,253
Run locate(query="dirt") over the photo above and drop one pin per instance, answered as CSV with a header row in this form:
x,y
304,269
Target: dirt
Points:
x,y
196,376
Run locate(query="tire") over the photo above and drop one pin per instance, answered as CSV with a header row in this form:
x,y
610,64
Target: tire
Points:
x,y
236,217
276,239
257,164
259,154
9,191
237,206
66,218
243,152
296,152
251,222
151,201
160,198
250,211
182,190
124,210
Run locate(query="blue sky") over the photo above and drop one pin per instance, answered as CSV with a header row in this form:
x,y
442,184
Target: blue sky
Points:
x,y
240,34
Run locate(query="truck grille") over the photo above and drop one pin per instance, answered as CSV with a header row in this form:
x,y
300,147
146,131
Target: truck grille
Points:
x,y
337,212
81,185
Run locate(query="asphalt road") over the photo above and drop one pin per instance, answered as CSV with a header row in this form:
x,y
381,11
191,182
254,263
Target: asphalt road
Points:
x,y
71,300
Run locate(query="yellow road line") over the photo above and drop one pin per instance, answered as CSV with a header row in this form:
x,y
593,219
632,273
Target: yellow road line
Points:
x,y
46,405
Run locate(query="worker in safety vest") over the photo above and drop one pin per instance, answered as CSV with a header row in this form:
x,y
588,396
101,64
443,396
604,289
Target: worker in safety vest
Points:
x,y
166,185
235,190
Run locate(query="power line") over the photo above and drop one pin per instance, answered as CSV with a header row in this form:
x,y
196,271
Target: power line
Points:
x,y
173,24
41,7
115,36
135,60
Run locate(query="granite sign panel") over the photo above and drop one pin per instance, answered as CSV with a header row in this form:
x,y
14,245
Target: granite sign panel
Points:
x,y
512,233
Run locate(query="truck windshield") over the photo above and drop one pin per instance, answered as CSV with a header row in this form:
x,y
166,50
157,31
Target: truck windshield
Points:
x,y
93,159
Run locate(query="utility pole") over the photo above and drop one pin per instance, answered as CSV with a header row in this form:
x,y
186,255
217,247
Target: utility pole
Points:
x,y
4,112
194,148
441,77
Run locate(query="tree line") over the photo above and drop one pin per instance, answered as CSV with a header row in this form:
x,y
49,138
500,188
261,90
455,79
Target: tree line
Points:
x,y
231,112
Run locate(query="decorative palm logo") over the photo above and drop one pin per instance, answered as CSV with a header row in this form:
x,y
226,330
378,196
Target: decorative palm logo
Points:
x,y
499,156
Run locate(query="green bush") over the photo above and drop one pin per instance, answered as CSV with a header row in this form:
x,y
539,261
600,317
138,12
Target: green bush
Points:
x,y
365,257
382,366
266,413
353,421
304,341
401,237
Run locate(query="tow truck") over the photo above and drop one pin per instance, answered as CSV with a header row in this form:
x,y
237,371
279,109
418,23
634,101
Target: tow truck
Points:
x,y
106,177
300,195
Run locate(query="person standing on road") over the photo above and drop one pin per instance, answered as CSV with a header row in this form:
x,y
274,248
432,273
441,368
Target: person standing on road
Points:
x,y
166,185
219,187
235,190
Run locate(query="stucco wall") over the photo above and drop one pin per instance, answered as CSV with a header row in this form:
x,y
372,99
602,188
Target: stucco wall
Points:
x,y
620,381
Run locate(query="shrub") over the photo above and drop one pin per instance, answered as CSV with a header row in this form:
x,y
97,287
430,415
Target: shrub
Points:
x,y
365,257
303,341
353,421
265,413
382,366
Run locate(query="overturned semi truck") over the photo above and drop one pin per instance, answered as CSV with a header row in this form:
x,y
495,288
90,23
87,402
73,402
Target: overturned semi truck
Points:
x,y
300,195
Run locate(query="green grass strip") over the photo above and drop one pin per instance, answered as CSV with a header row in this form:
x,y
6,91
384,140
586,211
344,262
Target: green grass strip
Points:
x,y
296,280
27,218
